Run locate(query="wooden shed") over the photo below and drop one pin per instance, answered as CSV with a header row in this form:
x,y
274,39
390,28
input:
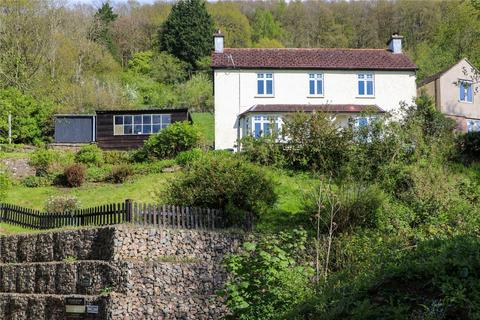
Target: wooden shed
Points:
x,y
128,129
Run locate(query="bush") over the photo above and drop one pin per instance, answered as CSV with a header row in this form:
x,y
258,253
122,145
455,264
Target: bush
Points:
x,y
74,175
35,181
177,137
43,160
120,173
98,174
223,181
90,155
62,204
263,150
315,143
268,276
116,157
468,146
185,157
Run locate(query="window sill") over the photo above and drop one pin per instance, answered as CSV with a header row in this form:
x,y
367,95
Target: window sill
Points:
x,y
264,96
315,96
365,97
466,102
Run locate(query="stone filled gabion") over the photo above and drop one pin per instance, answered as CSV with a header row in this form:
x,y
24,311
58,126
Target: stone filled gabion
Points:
x,y
133,272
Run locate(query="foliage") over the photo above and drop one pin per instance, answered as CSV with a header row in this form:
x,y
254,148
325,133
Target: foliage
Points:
x,y
187,32
268,43
468,146
31,118
264,150
101,31
264,25
196,94
90,155
223,181
97,174
120,173
177,137
116,157
74,175
233,24
62,204
315,142
186,157
5,184
43,161
269,276
153,167
36,181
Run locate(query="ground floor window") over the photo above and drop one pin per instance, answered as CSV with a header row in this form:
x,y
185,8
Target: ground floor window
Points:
x,y
140,123
262,125
473,125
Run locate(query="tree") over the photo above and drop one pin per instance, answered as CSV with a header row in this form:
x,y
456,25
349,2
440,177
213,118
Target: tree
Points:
x,y
187,32
233,23
101,32
264,25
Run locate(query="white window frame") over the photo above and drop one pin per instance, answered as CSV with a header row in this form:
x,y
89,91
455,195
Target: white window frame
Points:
x,y
460,82
364,77
121,127
315,77
262,76
473,125
263,119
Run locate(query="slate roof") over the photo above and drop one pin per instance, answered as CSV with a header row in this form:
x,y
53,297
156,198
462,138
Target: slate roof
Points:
x,y
335,108
319,58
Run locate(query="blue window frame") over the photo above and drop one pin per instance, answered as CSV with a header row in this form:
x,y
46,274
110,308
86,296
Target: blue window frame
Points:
x,y
315,84
264,84
366,85
466,92
473,125
262,125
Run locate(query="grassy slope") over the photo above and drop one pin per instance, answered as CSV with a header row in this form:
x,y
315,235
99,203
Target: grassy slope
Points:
x,y
206,123
141,188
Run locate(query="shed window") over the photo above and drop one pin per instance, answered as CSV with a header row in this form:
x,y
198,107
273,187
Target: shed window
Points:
x,y
141,123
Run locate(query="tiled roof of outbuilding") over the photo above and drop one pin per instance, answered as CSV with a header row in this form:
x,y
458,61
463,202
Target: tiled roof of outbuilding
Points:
x,y
319,58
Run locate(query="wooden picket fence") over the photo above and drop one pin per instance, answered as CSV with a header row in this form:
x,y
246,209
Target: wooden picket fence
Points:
x,y
164,216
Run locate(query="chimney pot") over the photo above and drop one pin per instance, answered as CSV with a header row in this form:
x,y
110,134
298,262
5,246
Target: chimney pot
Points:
x,y
218,40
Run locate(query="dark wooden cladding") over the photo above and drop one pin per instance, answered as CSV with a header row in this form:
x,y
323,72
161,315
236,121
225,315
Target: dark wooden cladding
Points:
x,y
108,141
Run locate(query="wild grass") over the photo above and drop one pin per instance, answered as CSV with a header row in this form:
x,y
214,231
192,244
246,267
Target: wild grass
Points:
x,y
206,122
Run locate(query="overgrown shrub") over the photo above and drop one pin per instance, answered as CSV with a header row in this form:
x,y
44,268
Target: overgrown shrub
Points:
x,y
63,203
74,175
185,157
315,142
120,173
468,146
177,137
36,181
264,150
90,155
116,157
42,160
153,166
98,174
223,181
269,276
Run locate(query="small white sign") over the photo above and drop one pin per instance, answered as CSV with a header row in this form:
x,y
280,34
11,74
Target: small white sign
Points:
x,y
91,308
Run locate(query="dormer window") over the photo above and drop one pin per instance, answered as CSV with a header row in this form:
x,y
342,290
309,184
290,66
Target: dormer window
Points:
x,y
365,85
264,84
466,92
315,84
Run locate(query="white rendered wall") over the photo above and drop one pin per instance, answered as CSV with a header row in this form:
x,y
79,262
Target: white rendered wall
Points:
x,y
236,91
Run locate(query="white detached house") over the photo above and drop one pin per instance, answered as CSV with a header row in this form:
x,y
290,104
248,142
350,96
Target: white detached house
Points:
x,y
254,88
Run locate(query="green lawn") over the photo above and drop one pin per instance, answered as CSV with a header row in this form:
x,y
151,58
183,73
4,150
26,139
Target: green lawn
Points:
x,y
206,122
6,229
140,188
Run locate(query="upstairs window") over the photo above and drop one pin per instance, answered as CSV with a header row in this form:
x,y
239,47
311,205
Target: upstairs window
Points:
x,y
140,123
365,85
466,92
315,84
265,84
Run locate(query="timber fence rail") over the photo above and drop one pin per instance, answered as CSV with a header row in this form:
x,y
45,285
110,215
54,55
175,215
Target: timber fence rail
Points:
x,y
164,216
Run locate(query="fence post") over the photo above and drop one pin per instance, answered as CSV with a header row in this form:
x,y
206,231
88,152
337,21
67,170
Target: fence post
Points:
x,y
1,212
128,209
